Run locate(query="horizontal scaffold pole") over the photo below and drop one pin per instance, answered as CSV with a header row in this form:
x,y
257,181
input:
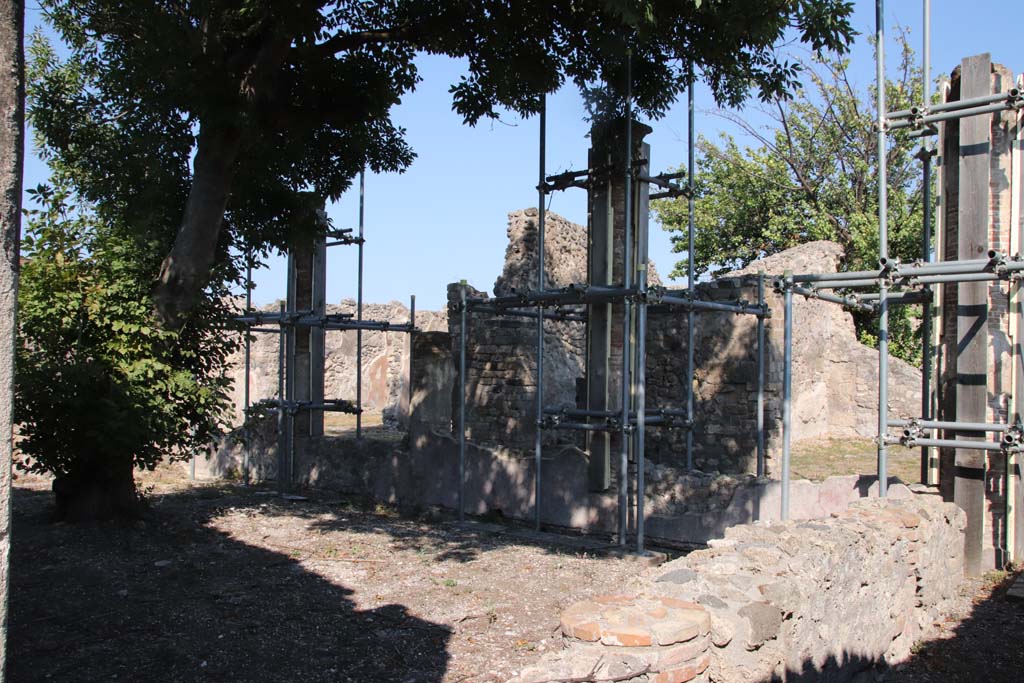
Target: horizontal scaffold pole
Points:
x,y
950,443
957,426
848,301
954,104
519,313
698,305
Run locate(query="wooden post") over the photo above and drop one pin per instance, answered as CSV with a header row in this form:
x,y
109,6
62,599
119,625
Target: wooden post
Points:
x,y
972,305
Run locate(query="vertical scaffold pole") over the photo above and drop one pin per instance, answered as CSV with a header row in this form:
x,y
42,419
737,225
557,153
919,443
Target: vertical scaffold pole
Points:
x,y
690,269
627,312
537,448
926,243
787,390
282,461
412,333
641,398
462,400
359,312
760,375
247,432
883,253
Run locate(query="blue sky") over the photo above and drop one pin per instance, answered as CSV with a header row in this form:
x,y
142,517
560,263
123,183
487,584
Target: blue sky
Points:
x,y
444,219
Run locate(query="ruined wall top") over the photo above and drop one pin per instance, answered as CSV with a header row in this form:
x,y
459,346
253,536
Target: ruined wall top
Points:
x,y
565,253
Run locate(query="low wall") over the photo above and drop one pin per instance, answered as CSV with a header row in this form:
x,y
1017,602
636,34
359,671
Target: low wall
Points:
x,y
682,507
837,599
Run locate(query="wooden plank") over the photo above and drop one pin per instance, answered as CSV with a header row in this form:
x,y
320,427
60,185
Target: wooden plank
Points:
x,y
972,304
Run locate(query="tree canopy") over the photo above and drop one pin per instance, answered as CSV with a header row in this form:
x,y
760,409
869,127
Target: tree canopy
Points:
x,y
182,117
810,174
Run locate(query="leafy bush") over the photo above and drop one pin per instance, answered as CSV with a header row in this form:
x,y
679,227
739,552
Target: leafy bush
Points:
x,y
99,388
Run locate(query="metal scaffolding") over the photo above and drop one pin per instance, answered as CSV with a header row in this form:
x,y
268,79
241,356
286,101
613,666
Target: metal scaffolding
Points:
x,y
634,417
285,323
891,284
900,284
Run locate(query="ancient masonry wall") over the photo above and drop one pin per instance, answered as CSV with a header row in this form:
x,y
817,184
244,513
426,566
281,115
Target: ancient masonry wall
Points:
x,y
835,377
838,599
385,359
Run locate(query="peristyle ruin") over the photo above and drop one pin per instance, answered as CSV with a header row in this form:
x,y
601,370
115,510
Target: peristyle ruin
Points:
x,y
581,394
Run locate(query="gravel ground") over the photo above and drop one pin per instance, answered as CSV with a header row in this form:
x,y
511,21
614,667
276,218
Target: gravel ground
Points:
x,y
225,584
222,583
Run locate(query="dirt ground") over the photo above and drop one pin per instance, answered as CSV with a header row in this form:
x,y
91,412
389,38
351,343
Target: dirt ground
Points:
x,y
223,583
226,584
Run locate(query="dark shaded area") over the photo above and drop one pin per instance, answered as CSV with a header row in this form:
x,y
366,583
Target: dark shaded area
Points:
x,y
98,602
982,647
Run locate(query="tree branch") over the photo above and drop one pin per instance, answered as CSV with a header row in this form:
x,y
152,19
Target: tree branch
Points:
x,y
343,42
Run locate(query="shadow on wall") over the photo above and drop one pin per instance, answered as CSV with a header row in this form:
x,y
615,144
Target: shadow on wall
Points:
x,y
725,382
501,373
973,650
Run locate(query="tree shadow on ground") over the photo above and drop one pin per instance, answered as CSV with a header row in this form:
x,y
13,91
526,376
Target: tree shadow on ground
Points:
x,y
180,601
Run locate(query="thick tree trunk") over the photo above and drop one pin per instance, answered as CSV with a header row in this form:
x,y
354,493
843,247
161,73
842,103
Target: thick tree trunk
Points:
x,y
12,130
99,489
186,270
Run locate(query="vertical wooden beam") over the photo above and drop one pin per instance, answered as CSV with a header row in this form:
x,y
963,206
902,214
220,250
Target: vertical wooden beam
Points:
x,y
972,304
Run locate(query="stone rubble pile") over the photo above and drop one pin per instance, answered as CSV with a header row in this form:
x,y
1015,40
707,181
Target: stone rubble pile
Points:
x,y
834,599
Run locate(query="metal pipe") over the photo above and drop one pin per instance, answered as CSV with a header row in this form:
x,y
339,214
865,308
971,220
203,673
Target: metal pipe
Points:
x,y
540,319
760,377
247,453
883,252
694,305
946,268
926,232
969,103
837,277
412,331
954,443
641,389
462,401
627,281
848,301
359,310
845,284
582,412
959,113
691,223
787,396
898,298
500,311
281,462
964,277
954,426
587,426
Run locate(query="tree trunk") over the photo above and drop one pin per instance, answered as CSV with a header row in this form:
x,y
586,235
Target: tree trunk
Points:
x,y
186,270
12,130
100,488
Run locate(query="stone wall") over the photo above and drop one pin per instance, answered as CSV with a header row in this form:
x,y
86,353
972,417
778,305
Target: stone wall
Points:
x,y
838,599
834,376
385,359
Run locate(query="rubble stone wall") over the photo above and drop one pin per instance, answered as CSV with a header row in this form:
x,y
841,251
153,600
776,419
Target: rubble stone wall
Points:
x,y
836,599
835,377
